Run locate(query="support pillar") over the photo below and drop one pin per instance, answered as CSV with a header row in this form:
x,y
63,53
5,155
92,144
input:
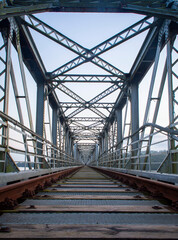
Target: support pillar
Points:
x,y
40,120
6,89
119,136
173,156
134,117
75,151
96,154
66,142
102,144
99,146
70,145
106,141
54,133
119,127
54,126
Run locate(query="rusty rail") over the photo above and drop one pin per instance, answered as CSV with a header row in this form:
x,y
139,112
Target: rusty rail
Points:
x,y
155,188
11,194
89,203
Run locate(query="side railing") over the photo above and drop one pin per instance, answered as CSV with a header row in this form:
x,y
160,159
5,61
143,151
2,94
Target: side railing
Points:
x,y
23,149
153,152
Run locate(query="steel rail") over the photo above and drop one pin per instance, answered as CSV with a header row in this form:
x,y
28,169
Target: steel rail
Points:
x,y
10,194
156,188
89,204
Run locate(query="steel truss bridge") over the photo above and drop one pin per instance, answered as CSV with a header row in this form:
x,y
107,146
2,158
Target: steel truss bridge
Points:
x,y
54,133
88,135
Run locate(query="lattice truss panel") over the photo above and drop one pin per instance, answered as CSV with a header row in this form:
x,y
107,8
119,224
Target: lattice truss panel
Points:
x,y
85,119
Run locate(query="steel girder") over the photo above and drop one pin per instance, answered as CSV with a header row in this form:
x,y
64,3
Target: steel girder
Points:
x,y
87,79
120,80
160,9
142,64
78,105
86,55
86,119
94,128
87,104
86,137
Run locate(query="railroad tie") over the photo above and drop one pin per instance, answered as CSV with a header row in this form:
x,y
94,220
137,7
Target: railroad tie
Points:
x,y
89,204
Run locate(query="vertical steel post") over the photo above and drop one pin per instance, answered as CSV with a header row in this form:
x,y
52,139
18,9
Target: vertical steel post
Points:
x,y
134,117
54,126
106,140
48,113
7,76
102,143
69,145
106,145
125,117
66,142
75,151
171,105
63,137
54,133
6,88
118,114
60,134
119,126
96,154
5,132
40,119
170,85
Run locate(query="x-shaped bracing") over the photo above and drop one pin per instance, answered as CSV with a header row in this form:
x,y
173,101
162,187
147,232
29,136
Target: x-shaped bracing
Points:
x,y
84,56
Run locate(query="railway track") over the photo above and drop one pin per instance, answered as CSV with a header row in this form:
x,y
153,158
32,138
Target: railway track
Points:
x,y
90,204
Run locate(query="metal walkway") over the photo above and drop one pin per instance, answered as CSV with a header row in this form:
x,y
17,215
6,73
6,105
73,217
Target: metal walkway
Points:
x,y
88,204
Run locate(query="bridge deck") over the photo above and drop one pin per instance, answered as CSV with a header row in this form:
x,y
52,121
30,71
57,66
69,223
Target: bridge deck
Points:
x,y
88,204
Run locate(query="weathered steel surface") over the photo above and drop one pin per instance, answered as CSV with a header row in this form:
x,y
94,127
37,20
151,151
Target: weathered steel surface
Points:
x,y
91,212
93,197
92,231
156,188
93,208
152,7
9,194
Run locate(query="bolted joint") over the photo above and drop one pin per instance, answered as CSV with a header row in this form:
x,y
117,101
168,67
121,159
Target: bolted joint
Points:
x,y
8,204
39,188
28,193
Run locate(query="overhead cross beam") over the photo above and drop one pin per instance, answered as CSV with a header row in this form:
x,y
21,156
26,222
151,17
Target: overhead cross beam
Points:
x,y
160,9
86,55
96,99
86,119
70,105
86,137
74,78
86,128
83,102
86,104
